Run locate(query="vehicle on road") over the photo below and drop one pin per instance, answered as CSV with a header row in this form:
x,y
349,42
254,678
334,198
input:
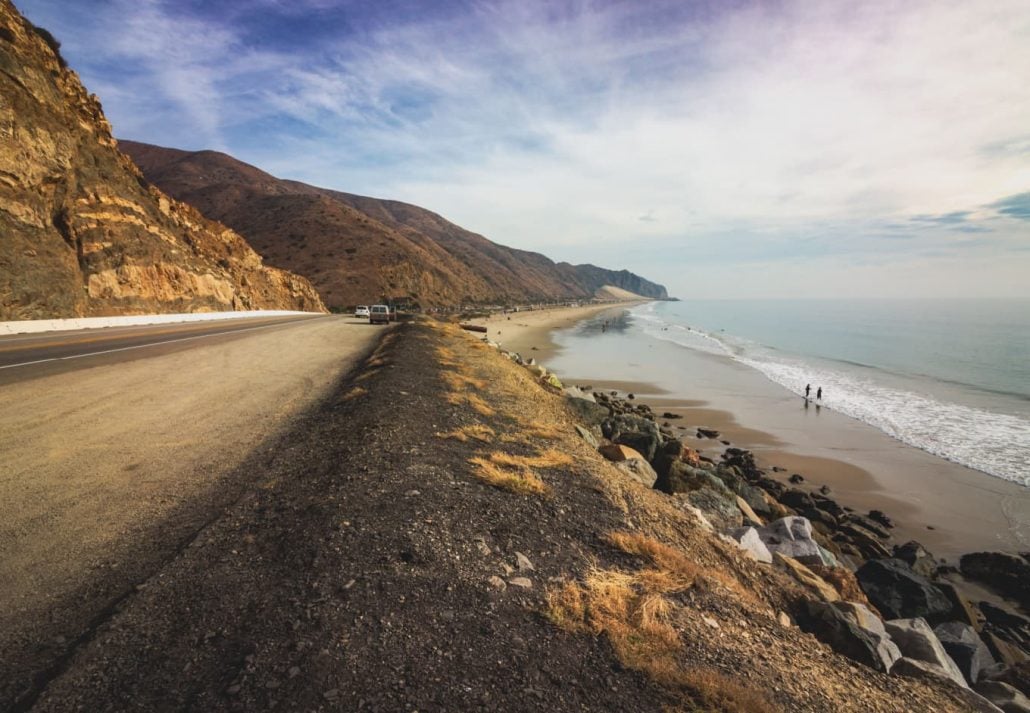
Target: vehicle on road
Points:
x,y
361,311
379,314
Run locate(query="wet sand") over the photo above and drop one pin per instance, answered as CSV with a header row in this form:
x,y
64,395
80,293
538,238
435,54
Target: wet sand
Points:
x,y
947,507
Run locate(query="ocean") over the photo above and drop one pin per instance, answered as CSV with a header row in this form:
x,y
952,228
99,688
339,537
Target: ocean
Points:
x,y
951,377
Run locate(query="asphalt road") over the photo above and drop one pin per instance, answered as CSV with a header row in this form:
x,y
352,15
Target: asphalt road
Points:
x,y
117,446
30,356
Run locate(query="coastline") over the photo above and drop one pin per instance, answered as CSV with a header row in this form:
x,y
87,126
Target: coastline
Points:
x,y
947,507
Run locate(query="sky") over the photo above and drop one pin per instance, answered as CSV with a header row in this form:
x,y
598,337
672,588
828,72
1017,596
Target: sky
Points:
x,y
724,148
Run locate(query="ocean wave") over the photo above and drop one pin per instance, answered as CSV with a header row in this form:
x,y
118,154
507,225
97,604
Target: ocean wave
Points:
x,y
997,444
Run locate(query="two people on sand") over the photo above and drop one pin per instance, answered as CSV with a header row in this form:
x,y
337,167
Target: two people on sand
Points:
x,y
818,393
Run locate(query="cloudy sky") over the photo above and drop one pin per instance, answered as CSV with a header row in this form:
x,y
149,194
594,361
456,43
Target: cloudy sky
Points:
x,y
725,148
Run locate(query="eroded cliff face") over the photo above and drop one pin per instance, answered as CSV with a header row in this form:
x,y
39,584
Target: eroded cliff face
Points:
x,y
81,231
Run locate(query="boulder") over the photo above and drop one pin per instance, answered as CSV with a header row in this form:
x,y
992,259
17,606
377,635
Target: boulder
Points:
x,y
807,577
1004,696
881,518
817,516
829,506
917,557
1017,676
961,608
1003,651
683,478
749,541
965,648
797,499
636,432
587,435
851,630
917,641
870,525
640,470
587,412
1007,574
617,453
844,582
749,515
1006,624
866,542
669,451
717,507
900,593
574,392
792,537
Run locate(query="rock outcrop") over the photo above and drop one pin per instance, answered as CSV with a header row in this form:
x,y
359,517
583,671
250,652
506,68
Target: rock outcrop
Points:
x,y
84,234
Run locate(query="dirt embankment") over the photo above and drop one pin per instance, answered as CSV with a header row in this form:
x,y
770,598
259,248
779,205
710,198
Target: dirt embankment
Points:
x,y
435,536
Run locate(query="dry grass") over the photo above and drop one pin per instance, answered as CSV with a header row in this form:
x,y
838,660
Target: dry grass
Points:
x,y
377,361
458,381
353,393
550,458
472,401
638,612
477,432
367,374
523,481
527,434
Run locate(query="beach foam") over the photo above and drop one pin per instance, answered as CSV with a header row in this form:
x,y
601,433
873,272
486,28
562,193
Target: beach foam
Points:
x,y
911,410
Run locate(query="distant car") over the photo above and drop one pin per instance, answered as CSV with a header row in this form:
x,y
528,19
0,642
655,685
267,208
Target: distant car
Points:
x,y
361,311
379,314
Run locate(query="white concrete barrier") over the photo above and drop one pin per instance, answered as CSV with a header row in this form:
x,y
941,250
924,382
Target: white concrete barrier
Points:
x,y
33,326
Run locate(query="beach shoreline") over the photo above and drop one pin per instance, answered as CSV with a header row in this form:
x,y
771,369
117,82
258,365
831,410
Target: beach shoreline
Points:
x,y
947,507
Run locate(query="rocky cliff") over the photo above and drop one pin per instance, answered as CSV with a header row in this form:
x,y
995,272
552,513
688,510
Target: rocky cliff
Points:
x,y
356,249
82,233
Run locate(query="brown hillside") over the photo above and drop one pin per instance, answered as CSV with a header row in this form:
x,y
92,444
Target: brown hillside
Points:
x,y
83,233
357,249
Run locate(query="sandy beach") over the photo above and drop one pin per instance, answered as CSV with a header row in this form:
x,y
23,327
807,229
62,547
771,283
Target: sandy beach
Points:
x,y
529,333
947,507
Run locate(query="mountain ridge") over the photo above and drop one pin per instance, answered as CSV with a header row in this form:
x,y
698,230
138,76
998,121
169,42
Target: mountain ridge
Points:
x,y
356,248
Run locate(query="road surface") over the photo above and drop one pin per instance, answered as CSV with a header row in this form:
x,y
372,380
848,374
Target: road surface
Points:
x,y
116,446
29,356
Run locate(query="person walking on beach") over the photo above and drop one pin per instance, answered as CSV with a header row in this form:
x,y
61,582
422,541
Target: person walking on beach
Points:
x,y
819,394
808,390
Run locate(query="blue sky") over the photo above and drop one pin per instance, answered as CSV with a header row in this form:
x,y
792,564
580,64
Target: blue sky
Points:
x,y
770,149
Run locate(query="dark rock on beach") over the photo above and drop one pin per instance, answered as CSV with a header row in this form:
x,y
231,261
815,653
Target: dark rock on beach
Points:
x,y
917,557
1007,574
900,593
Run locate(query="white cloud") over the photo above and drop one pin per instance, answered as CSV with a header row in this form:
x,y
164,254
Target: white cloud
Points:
x,y
803,130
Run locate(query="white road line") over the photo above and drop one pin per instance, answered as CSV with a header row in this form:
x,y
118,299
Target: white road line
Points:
x,y
26,363
143,346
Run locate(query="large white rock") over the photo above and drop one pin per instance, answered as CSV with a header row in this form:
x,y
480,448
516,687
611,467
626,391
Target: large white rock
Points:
x,y
792,537
917,641
748,539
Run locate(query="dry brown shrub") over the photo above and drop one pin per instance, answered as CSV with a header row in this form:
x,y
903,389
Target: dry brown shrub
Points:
x,y
353,393
478,432
522,481
471,400
638,611
462,381
550,458
661,555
